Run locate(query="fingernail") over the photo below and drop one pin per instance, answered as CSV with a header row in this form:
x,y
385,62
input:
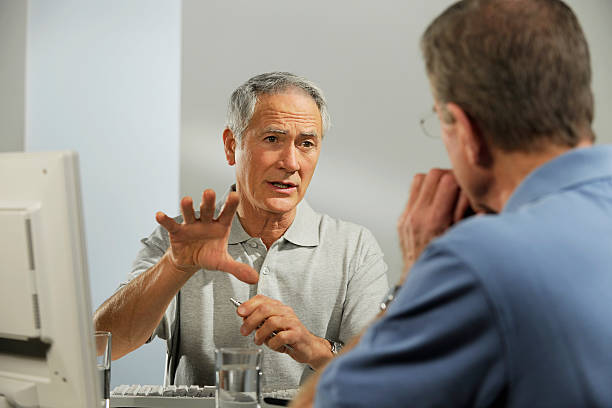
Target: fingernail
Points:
x,y
240,309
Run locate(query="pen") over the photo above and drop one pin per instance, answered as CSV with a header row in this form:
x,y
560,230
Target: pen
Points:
x,y
238,303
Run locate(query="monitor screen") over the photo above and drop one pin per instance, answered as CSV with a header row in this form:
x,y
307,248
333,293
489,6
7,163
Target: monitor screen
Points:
x,y
47,354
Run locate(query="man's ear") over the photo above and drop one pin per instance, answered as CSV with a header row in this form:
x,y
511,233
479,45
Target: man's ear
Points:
x,y
229,144
470,137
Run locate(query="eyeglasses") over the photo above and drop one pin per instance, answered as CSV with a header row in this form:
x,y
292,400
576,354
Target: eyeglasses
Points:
x,y
431,124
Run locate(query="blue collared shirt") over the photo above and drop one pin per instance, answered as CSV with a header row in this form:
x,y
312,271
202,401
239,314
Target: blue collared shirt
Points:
x,y
514,308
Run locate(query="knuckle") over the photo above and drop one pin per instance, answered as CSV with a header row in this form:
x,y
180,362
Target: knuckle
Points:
x,y
248,325
275,321
252,321
277,346
281,337
271,341
412,220
402,221
448,179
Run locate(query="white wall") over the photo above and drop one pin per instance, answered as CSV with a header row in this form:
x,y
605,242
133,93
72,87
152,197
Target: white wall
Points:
x,y
103,79
13,23
366,58
595,17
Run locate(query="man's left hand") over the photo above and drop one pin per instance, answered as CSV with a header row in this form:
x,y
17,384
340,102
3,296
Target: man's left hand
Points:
x,y
436,202
276,325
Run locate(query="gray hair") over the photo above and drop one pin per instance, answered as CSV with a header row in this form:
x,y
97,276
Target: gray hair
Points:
x,y
243,99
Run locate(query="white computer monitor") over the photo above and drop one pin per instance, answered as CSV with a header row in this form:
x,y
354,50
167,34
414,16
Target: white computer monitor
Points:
x,y
47,354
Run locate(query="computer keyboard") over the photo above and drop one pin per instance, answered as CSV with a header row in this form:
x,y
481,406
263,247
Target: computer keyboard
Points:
x,y
159,396
173,396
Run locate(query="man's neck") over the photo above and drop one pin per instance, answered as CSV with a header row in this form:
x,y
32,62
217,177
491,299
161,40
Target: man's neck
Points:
x,y
264,224
510,169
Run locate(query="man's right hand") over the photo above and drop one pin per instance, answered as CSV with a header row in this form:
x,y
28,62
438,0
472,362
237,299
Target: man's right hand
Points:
x,y
436,202
202,242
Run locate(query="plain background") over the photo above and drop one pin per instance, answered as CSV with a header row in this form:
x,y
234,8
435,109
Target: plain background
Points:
x,y
13,29
103,79
140,89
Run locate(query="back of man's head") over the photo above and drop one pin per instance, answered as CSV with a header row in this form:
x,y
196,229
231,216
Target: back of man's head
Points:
x,y
520,69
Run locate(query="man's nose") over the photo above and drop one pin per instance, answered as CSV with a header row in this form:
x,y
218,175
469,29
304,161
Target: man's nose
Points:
x,y
289,159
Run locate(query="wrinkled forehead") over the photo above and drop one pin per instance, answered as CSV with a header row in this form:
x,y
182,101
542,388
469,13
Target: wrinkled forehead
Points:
x,y
292,107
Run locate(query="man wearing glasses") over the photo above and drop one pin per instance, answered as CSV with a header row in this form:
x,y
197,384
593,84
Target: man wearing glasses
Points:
x,y
511,308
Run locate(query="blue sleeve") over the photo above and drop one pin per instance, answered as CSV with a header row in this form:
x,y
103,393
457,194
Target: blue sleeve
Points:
x,y
437,345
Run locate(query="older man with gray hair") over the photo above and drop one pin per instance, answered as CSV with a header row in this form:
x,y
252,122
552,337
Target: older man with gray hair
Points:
x,y
309,282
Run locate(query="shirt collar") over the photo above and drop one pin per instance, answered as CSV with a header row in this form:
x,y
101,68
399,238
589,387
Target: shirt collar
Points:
x,y
572,168
303,231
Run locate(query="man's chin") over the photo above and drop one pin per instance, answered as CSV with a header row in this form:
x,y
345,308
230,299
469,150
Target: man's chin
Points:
x,y
281,205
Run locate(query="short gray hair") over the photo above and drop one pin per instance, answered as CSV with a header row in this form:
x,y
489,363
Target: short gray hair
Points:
x,y
243,99
520,69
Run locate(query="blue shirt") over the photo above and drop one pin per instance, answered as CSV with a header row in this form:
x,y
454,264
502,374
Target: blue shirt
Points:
x,y
512,309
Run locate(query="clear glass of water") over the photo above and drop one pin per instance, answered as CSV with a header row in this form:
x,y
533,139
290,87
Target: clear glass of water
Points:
x,y
103,364
238,372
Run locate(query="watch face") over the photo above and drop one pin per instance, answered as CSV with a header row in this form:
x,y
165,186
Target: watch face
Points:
x,y
335,346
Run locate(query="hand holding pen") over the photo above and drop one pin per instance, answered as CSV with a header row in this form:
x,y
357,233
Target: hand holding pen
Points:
x,y
277,325
238,303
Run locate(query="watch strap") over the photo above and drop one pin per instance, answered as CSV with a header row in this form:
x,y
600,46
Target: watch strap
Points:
x,y
336,346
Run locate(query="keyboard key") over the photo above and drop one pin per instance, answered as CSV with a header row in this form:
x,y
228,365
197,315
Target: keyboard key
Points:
x,y
169,391
121,389
156,391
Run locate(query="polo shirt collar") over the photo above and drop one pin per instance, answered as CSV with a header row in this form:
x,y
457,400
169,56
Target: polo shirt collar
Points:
x,y
568,170
303,231
237,233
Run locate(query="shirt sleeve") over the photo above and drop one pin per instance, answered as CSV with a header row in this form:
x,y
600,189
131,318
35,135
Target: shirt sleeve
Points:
x,y
437,345
152,250
367,286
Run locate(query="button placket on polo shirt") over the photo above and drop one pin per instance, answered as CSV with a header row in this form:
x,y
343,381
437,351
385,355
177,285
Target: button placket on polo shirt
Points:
x,y
256,251
266,270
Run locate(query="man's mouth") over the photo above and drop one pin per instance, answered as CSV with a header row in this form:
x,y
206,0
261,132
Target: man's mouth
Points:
x,y
281,185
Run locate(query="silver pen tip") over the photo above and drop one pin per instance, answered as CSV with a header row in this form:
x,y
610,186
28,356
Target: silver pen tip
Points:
x,y
235,302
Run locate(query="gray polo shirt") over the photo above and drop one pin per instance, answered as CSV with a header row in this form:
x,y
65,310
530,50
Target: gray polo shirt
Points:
x,y
330,272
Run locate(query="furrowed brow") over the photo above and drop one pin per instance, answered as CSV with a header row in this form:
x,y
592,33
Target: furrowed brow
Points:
x,y
274,130
309,134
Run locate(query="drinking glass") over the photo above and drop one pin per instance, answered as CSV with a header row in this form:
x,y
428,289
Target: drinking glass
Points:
x,y
238,374
103,364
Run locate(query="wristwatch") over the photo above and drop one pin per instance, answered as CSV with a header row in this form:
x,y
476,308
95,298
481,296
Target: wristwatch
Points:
x,y
336,346
389,297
